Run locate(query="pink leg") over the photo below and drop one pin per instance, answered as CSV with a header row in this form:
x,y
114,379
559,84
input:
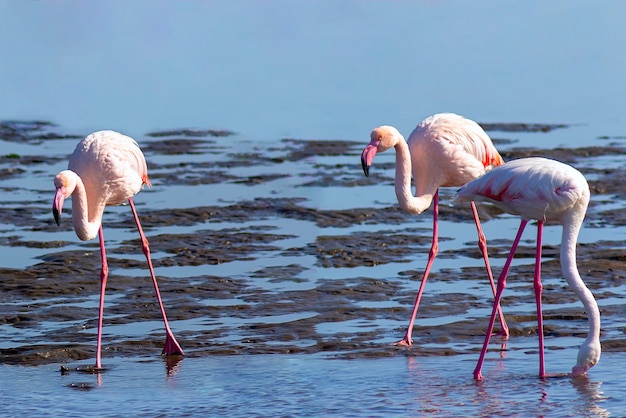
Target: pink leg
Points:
x,y
538,289
104,274
171,345
482,245
501,285
434,249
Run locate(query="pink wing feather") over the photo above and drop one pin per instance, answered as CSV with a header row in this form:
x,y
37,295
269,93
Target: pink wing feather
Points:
x,y
534,188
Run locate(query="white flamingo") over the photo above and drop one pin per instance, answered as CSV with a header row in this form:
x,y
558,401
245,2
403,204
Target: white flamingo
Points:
x,y
106,168
444,150
544,190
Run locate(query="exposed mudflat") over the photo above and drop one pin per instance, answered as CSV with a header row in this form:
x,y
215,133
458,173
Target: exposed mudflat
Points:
x,y
293,277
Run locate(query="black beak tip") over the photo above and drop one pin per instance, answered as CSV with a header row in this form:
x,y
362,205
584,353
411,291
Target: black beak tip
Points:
x,y
366,168
57,216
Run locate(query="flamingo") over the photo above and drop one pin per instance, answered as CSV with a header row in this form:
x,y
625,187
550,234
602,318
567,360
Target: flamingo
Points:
x,y
106,168
444,150
544,190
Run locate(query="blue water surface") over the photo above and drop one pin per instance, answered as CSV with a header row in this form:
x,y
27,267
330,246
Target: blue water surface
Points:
x,y
310,69
278,385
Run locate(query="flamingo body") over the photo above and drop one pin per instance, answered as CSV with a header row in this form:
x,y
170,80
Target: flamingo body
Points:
x,y
110,164
111,168
533,188
106,168
448,150
543,190
444,150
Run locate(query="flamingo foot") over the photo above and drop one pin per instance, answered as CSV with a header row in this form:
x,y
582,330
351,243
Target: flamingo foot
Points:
x,y
504,333
405,342
172,347
478,375
84,369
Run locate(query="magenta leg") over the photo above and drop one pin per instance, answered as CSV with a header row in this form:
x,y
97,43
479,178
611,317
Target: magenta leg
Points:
x,y
104,274
482,245
434,249
171,345
500,288
538,290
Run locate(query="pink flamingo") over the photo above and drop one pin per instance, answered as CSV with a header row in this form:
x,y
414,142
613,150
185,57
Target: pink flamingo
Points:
x,y
106,168
544,190
444,150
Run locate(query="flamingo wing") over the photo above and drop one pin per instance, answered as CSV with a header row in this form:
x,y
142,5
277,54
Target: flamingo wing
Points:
x,y
534,188
450,150
463,133
110,164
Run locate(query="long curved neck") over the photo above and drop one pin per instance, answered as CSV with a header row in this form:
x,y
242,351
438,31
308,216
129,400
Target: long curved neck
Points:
x,y
571,275
408,202
87,220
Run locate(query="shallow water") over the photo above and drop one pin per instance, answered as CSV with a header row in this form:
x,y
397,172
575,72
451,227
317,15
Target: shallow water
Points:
x,y
297,385
286,306
286,273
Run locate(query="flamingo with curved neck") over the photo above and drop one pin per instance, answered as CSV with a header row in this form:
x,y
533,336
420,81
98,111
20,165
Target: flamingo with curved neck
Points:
x,y
106,168
444,150
543,190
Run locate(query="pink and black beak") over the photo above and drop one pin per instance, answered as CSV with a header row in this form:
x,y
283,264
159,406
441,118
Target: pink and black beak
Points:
x,y
57,204
367,156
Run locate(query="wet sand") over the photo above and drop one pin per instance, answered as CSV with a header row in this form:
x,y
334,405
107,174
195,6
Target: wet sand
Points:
x,y
56,297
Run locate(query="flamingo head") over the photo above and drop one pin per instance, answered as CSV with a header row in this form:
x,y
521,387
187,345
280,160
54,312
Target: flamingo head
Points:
x,y
588,356
65,183
381,139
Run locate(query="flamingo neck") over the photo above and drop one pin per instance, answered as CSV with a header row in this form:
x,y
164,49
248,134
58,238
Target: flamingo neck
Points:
x,y
408,202
87,219
572,276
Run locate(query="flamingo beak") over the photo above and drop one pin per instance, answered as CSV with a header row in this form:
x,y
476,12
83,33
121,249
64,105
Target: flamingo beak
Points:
x,y
366,168
578,371
57,204
368,155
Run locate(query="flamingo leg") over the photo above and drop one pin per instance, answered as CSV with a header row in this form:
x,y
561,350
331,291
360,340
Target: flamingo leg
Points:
x,y
434,249
482,245
538,289
500,288
104,274
171,345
